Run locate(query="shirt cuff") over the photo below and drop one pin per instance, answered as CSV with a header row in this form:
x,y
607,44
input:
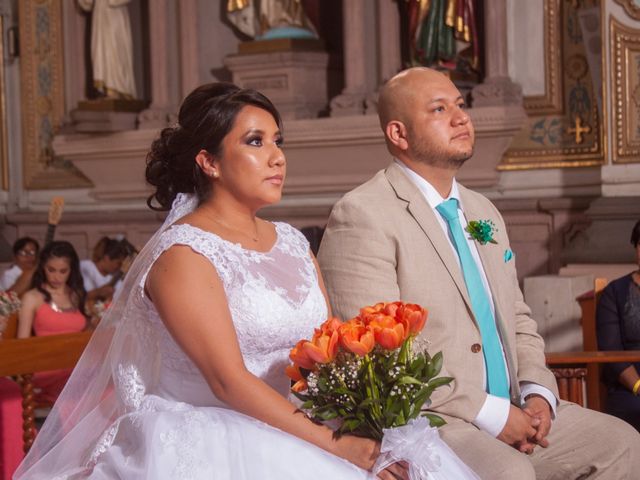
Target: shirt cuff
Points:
x,y
493,415
529,388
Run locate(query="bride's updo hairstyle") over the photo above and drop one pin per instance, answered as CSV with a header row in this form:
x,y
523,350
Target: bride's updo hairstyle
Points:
x,y
206,116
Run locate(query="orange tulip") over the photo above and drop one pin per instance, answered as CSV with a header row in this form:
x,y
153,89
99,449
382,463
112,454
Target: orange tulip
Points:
x,y
391,308
293,372
323,347
414,316
300,386
387,331
300,357
366,312
356,337
330,325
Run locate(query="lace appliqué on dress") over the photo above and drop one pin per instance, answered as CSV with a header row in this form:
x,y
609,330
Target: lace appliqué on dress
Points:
x,y
181,443
104,443
130,385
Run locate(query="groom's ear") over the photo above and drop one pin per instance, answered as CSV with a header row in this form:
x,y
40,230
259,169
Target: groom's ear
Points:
x,y
396,133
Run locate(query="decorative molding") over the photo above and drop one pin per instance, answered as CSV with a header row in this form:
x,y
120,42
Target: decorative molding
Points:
x,y
547,141
551,101
631,7
42,95
497,91
625,91
4,139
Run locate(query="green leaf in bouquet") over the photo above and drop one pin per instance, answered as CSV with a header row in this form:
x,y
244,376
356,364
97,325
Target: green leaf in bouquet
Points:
x,y
418,364
406,380
435,420
422,396
400,420
323,386
301,396
440,381
350,425
367,402
342,390
406,408
435,365
307,405
326,414
405,351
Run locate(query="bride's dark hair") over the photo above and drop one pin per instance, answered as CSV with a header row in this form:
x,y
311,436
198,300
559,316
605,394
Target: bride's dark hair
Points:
x,y
206,116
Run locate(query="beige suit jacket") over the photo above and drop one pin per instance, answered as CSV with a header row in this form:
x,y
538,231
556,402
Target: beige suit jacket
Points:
x,y
383,243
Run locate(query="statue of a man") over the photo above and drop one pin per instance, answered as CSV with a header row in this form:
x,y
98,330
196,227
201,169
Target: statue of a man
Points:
x,y
111,48
266,19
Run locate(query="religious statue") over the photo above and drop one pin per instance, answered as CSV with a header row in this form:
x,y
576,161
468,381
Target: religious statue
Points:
x,y
111,48
441,34
268,19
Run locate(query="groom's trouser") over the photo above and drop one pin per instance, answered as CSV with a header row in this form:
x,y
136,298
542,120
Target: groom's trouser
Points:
x,y
583,444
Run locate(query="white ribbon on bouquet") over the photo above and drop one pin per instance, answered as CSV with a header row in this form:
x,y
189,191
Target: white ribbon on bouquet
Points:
x,y
420,445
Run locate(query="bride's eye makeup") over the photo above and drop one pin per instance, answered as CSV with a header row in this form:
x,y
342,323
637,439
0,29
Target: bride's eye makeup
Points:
x,y
254,140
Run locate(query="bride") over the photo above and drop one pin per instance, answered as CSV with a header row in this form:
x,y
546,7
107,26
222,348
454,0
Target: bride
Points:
x,y
184,377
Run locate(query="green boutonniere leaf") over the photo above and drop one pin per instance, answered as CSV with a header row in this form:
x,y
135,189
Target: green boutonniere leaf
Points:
x,y
482,231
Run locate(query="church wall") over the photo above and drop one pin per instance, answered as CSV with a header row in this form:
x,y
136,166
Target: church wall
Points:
x,y
547,210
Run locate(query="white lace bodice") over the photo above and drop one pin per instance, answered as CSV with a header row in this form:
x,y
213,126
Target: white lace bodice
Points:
x,y
274,300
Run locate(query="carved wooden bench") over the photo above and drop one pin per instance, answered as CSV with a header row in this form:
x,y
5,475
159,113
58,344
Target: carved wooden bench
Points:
x,y
22,357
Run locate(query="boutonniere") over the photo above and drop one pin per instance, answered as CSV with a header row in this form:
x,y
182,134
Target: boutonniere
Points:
x,y
482,231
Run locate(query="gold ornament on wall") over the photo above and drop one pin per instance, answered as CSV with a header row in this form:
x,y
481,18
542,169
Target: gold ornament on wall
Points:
x,y
42,95
625,92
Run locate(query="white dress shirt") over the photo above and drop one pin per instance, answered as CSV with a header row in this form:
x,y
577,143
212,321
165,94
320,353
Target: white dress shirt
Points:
x,y
494,413
93,279
9,277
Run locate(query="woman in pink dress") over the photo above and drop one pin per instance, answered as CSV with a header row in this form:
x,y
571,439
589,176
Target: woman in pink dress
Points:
x,y
53,306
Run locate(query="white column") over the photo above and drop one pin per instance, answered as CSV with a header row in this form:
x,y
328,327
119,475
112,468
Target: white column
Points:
x,y
351,100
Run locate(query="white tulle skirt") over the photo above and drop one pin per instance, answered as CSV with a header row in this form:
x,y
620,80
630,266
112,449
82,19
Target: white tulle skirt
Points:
x,y
177,441
199,443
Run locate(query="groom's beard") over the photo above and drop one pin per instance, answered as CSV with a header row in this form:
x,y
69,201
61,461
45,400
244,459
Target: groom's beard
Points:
x,y
423,151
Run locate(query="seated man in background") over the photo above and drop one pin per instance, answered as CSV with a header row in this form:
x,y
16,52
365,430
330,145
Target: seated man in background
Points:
x,y
17,278
102,273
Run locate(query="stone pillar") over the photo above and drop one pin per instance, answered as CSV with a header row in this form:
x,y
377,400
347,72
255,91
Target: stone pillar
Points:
x,y
157,115
389,57
351,100
388,45
497,88
188,38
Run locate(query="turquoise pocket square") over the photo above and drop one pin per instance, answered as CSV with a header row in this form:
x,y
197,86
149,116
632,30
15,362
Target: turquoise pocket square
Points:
x,y
508,255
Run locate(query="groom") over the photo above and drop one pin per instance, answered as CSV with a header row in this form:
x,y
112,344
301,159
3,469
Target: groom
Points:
x,y
402,236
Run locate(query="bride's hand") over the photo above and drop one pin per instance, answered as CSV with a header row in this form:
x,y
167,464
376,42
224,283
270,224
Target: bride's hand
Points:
x,y
364,452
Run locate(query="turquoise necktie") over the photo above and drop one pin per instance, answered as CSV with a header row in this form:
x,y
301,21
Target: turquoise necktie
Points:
x,y
496,373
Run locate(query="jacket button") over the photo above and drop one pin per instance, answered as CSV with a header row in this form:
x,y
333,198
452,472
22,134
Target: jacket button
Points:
x,y
476,347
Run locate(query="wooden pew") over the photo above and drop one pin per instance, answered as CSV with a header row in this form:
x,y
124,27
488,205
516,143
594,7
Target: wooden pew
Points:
x,y
571,371
23,357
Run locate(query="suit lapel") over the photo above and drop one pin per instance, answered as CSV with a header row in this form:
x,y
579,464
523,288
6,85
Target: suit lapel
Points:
x,y
424,216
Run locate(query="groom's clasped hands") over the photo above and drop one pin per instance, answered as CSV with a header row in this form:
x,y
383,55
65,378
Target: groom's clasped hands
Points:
x,y
528,426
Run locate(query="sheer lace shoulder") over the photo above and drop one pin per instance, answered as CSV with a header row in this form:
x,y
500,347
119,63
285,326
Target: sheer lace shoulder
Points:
x,y
273,297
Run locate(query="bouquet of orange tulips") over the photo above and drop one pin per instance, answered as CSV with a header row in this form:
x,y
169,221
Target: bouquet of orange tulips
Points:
x,y
364,373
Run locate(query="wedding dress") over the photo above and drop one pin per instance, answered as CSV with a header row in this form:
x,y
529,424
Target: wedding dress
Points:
x,y
136,406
